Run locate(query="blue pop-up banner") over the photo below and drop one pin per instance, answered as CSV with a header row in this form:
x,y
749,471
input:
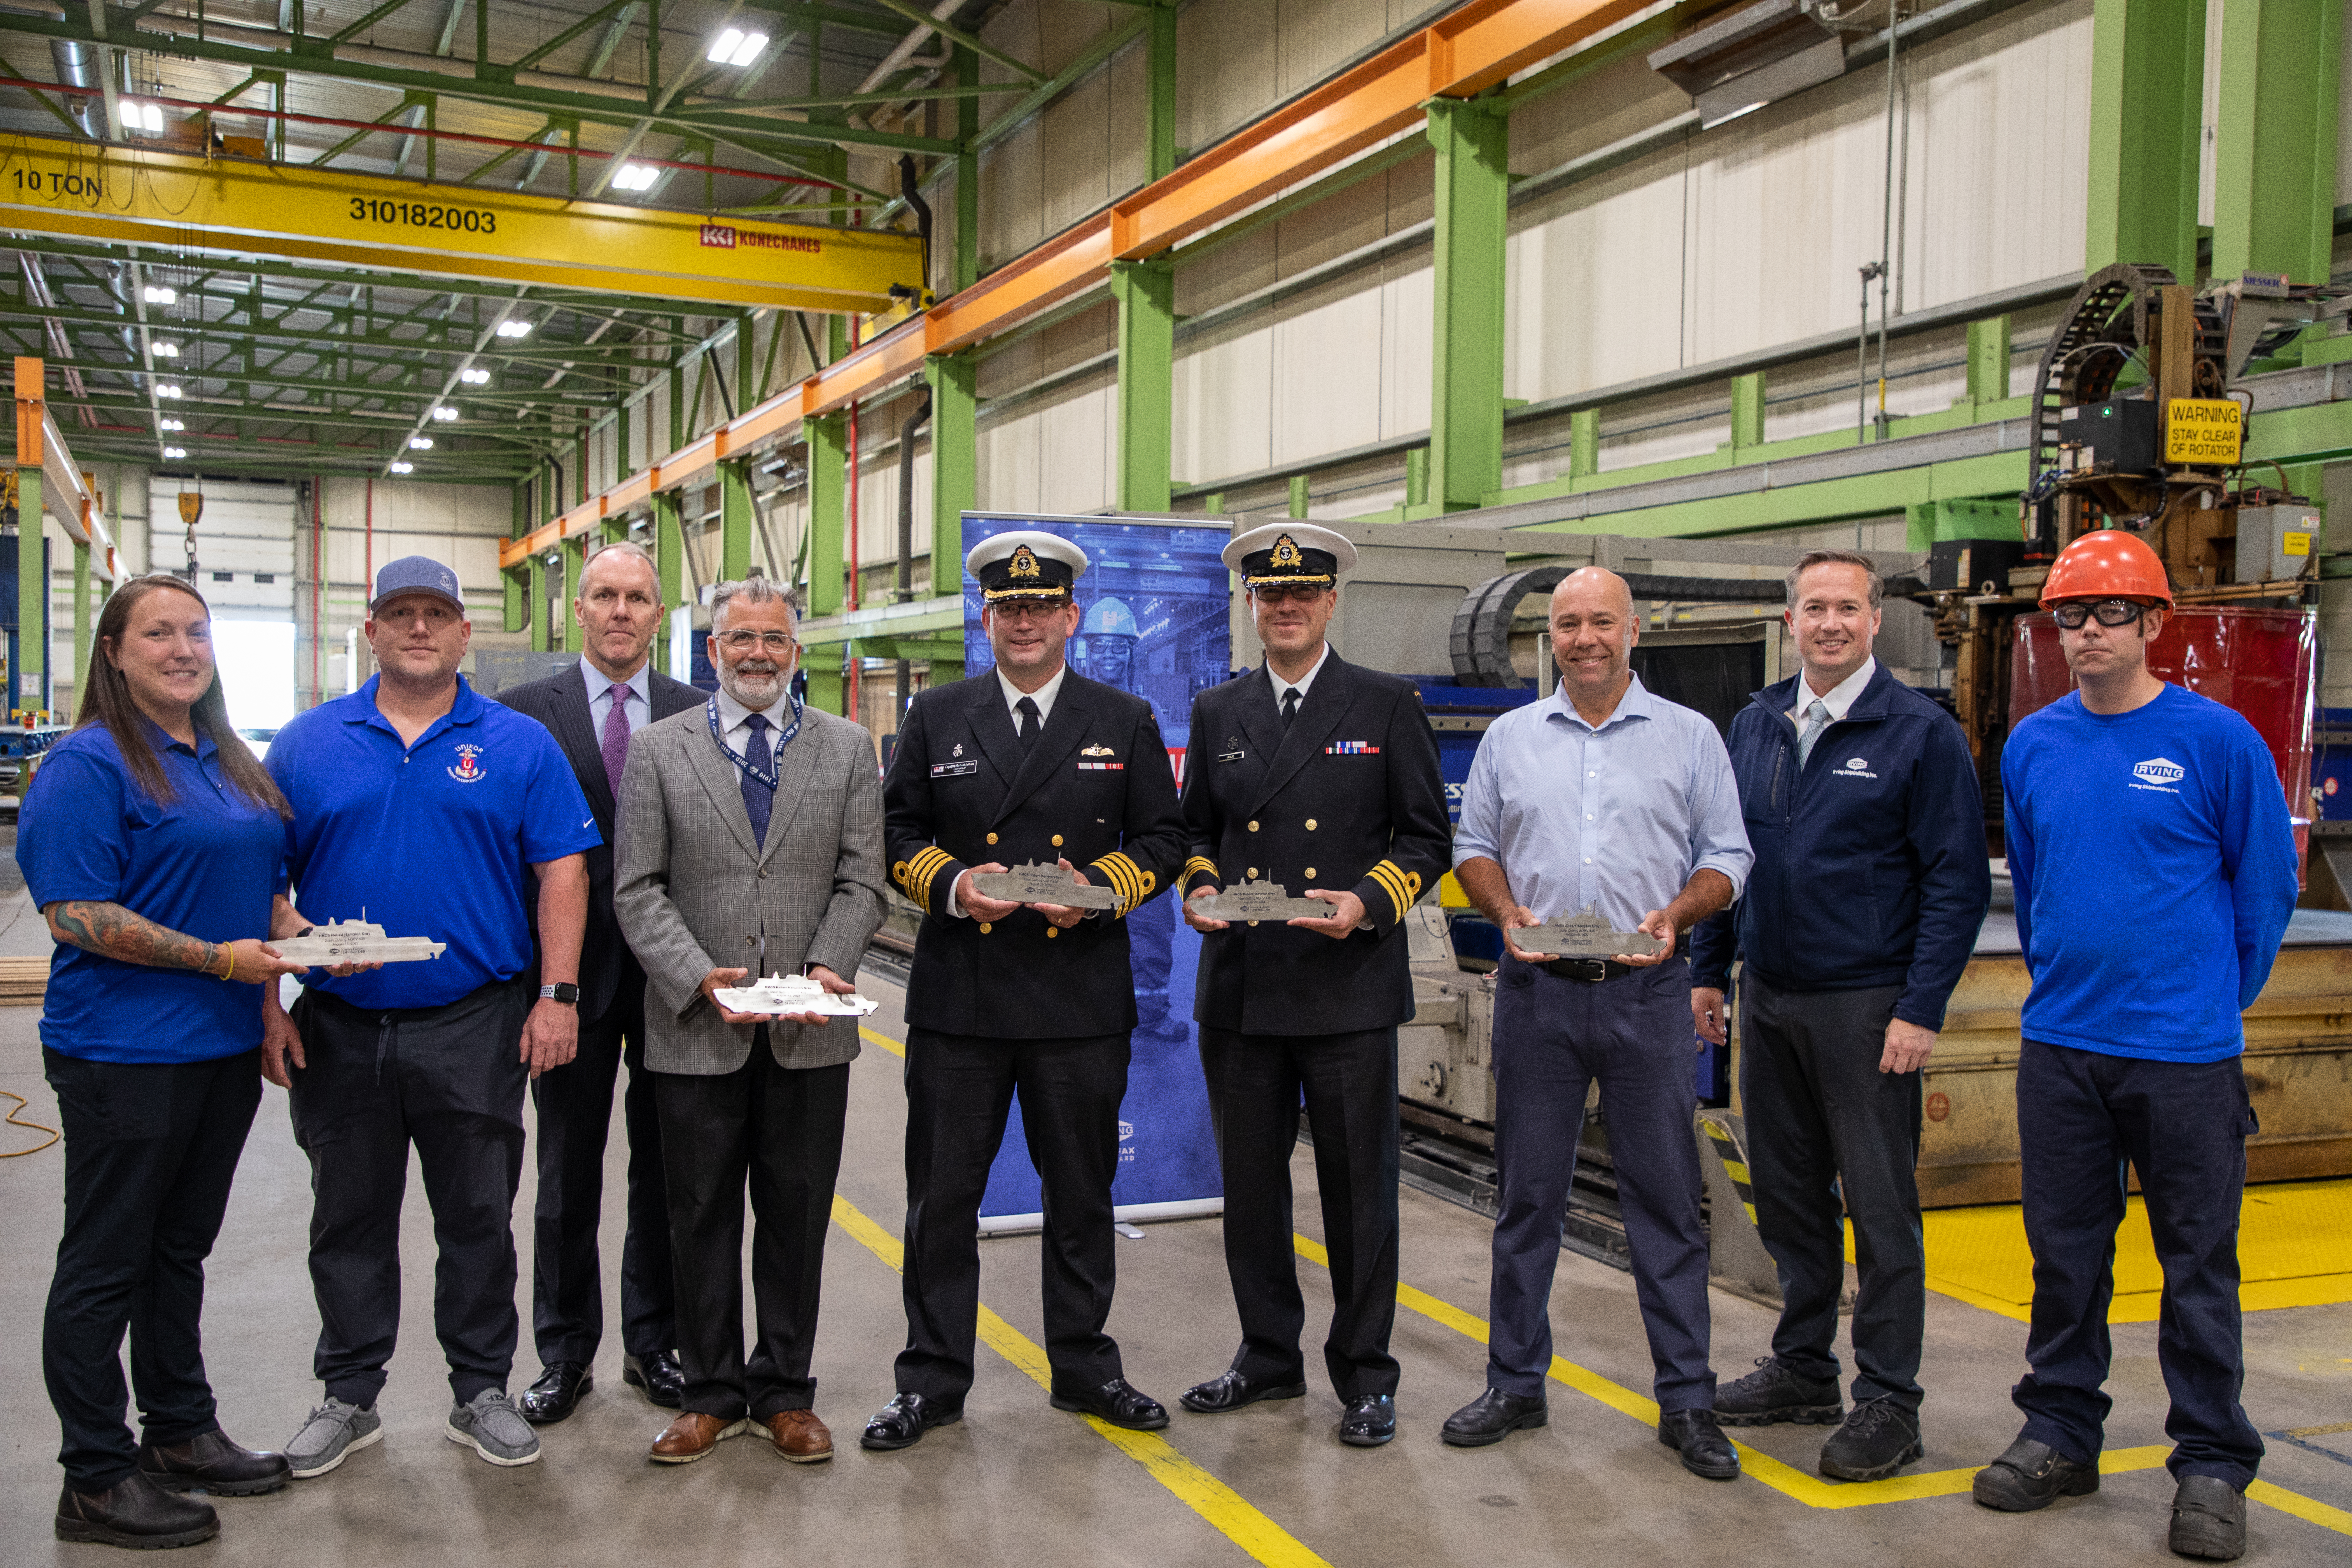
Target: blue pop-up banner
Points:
x,y
1154,620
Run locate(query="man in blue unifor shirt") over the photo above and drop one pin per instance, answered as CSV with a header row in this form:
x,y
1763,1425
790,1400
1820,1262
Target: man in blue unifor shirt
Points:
x,y
2132,795
432,809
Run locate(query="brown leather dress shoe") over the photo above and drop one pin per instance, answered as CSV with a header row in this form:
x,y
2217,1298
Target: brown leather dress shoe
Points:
x,y
692,1435
800,1437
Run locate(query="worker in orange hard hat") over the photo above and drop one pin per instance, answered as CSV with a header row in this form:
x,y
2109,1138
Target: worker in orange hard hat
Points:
x,y
2132,795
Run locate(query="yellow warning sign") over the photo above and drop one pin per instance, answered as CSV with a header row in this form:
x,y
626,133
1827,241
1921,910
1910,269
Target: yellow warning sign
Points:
x,y
2206,432
2294,544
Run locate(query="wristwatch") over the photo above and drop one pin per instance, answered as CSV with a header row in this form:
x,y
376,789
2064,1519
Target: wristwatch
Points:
x,y
566,993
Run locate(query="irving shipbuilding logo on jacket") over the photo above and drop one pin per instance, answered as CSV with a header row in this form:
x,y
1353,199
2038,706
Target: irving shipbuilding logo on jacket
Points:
x,y
2159,774
1855,768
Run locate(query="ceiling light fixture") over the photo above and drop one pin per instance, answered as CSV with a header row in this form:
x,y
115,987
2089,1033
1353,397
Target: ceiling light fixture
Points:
x,y
636,178
167,389
171,425
404,468
155,296
176,451
736,48
420,443
445,412
168,351
472,376
147,117
511,327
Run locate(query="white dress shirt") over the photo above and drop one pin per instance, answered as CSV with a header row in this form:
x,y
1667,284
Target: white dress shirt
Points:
x,y
1300,685
1043,698
735,721
638,704
1838,698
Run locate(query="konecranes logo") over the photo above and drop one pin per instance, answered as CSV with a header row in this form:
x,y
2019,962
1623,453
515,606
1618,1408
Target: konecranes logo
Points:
x,y
2160,771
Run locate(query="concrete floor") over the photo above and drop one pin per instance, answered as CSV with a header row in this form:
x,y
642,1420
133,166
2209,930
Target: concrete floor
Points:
x,y
1021,1483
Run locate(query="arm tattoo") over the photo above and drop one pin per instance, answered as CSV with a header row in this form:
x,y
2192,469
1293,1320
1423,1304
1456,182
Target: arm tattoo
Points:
x,y
113,932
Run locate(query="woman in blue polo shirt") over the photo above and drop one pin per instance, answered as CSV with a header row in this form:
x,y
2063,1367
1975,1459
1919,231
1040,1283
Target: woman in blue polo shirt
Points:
x,y
154,843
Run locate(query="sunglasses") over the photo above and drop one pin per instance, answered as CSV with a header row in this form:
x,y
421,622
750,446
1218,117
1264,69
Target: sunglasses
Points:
x,y
2109,612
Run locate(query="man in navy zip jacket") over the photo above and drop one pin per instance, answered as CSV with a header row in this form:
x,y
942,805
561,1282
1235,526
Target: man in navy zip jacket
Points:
x,y
1870,884
2134,796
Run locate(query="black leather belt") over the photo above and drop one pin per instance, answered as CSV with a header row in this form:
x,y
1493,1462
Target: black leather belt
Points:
x,y
1590,971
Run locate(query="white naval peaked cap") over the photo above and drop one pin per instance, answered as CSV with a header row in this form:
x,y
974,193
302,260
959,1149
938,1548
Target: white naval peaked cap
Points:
x,y
1026,563
1289,551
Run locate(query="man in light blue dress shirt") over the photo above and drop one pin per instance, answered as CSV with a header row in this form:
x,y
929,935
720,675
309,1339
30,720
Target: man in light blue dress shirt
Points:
x,y
1608,797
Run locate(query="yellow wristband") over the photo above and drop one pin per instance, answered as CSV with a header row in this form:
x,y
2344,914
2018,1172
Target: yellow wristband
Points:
x,y
232,963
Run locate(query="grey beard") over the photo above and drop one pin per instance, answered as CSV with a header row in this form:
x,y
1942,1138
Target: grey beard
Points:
x,y
733,682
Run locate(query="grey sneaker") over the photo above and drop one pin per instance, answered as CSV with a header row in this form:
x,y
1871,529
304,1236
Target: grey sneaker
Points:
x,y
494,1429
331,1433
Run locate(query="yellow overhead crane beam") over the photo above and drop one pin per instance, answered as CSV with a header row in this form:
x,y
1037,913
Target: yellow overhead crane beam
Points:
x,y
230,205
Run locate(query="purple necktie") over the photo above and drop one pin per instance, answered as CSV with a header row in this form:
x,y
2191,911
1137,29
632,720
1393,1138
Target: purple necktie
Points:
x,y
616,737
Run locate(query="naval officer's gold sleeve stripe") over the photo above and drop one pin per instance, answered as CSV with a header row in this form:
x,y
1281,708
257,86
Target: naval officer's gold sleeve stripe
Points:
x,y
1127,878
1110,874
1391,879
1199,865
922,869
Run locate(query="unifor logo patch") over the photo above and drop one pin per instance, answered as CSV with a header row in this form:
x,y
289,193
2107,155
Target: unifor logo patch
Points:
x,y
2160,771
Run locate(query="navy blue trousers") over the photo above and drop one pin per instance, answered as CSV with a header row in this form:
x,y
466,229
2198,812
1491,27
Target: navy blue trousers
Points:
x,y
2081,1117
1552,1038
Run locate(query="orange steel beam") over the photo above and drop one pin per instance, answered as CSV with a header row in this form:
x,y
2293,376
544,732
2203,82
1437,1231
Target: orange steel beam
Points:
x,y
1460,55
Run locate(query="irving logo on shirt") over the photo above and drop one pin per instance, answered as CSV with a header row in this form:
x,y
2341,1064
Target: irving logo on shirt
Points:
x,y
2159,774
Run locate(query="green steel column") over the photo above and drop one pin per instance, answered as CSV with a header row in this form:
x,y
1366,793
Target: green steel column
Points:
x,y
677,430
828,516
1583,443
955,460
1988,371
963,268
513,602
2274,149
1472,139
575,561
543,636
1746,410
669,570
735,519
81,621
1146,293
2147,74
747,358
26,685
1298,495
1159,96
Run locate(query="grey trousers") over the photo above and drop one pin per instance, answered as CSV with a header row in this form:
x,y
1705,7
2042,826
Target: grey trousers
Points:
x,y
1829,1136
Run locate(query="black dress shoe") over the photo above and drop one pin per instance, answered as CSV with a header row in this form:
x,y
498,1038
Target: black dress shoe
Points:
x,y
2209,1519
1232,1390
2031,1475
1705,1449
134,1513
557,1393
213,1462
1493,1416
1118,1402
902,1423
1369,1422
658,1377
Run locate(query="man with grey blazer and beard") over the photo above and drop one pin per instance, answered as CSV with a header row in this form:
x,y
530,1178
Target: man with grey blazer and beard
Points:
x,y
751,844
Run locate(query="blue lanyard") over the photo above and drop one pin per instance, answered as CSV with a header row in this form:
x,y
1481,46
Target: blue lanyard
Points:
x,y
784,738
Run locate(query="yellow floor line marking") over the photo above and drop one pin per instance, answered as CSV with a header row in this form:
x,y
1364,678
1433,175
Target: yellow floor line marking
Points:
x,y
1225,1509
1811,1490
876,1037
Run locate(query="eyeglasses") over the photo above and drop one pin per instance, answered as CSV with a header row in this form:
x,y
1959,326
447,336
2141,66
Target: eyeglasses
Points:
x,y
1305,594
744,642
2110,612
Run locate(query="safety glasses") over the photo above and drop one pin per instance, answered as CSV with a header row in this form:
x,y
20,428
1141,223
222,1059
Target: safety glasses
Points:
x,y
2110,612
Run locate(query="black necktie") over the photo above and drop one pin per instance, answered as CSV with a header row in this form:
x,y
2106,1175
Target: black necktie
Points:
x,y
758,799
1289,706
1028,711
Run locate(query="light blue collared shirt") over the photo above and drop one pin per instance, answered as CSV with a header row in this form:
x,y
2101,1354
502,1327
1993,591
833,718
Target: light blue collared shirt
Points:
x,y
638,704
1618,816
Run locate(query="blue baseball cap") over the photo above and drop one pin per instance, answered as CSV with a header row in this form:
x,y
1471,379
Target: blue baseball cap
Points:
x,y
417,574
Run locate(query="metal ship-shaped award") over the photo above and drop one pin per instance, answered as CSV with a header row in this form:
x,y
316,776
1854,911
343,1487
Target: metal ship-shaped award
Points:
x,y
355,941
1263,900
1585,935
791,993
1037,883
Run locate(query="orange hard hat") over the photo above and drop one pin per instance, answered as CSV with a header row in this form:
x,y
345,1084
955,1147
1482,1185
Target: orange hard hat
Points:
x,y
2107,565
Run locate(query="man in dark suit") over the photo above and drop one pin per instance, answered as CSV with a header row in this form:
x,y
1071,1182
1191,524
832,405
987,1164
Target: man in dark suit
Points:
x,y
1030,761
594,708
1322,776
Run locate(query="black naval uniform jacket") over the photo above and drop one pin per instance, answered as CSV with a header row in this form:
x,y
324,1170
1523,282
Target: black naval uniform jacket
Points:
x,y
1349,799
1096,790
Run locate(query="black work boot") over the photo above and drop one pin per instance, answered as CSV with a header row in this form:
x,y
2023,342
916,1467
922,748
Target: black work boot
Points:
x,y
134,1513
2209,1519
213,1462
1776,1392
1879,1438
2031,1475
